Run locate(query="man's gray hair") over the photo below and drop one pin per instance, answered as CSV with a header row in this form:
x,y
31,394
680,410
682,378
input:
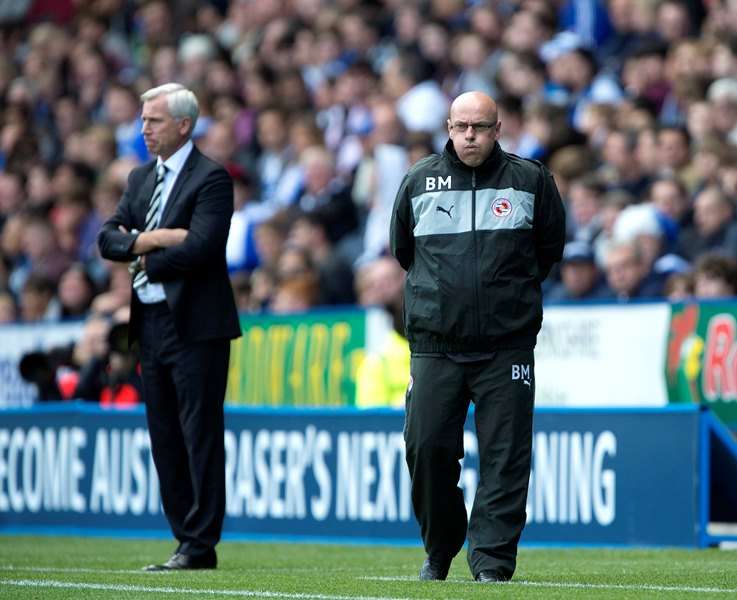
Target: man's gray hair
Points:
x,y
181,101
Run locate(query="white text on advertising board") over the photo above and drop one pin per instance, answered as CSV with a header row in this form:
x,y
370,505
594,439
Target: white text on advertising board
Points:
x,y
569,482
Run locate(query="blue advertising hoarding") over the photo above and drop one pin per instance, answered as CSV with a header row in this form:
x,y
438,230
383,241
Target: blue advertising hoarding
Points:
x,y
602,476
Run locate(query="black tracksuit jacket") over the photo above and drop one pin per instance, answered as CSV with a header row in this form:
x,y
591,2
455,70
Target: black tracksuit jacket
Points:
x,y
476,244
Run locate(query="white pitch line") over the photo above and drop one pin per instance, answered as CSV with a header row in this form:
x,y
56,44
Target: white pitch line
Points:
x,y
19,569
586,586
51,583
72,570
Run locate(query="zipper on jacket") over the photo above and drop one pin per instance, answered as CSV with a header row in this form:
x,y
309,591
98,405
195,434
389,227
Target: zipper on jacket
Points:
x,y
477,312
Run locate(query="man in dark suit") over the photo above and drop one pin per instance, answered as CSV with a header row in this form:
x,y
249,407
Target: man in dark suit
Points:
x,y
171,225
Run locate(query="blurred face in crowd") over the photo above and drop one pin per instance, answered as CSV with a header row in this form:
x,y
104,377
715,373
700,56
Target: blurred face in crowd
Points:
x,y
295,295
525,32
269,243
517,76
617,152
163,134
641,72
620,12
711,286
706,164
725,114
473,127
584,203
624,269
712,211
394,84
219,143
272,131
11,193
434,42
121,106
487,22
608,216
155,21
723,61
407,21
728,179
292,262
319,169
33,304
11,236
305,235
39,186
673,22
67,116
387,127
650,246
679,287
688,58
700,120
646,150
38,239
164,65
75,292
578,276
669,199
380,283
673,148
572,70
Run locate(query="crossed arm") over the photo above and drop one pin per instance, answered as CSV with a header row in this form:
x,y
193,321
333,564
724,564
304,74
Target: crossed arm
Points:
x,y
117,242
155,240
174,253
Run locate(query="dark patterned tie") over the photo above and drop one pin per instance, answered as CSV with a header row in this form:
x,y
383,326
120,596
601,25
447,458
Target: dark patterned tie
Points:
x,y
152,219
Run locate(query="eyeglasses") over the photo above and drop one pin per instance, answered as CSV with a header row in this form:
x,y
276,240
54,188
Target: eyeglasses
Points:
x,y
480,127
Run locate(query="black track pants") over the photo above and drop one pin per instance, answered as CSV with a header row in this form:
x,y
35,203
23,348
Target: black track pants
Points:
x,y
502,389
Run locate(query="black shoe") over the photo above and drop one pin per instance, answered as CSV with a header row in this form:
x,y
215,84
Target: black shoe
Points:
x,y
490,577
431,571
187,562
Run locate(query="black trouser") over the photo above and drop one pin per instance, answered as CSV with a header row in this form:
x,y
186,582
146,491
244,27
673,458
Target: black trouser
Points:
x,y
437,402
184,388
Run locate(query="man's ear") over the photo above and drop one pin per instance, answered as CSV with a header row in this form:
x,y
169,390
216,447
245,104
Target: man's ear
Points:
x,y
185,125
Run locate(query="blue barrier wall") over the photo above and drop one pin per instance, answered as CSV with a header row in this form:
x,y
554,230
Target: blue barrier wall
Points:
x,y
608,476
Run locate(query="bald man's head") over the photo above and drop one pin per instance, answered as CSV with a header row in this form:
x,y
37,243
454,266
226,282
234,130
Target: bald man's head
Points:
x,y
473,127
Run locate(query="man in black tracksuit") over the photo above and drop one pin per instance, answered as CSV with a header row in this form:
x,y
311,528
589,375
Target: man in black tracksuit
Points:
x,y
477,230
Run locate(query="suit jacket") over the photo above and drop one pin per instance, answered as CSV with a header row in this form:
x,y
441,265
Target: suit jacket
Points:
x,y
194,273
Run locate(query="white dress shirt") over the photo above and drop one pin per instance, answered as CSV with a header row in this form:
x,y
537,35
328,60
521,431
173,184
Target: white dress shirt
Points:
x,y
149,293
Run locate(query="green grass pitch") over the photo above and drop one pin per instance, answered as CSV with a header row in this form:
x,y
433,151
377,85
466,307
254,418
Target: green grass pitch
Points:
x,y
58,568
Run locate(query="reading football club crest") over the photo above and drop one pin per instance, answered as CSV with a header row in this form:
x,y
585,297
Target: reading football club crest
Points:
x,y
501,207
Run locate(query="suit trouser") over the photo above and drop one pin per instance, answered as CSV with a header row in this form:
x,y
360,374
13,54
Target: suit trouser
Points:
x,y
184,389
502,389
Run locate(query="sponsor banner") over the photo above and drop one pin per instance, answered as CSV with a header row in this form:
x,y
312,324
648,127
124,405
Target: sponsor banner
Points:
x,y
341,474
309,359
602,355
17,340
701,365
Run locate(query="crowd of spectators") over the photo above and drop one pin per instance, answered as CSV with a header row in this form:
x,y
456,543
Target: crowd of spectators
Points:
x,y
318,107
